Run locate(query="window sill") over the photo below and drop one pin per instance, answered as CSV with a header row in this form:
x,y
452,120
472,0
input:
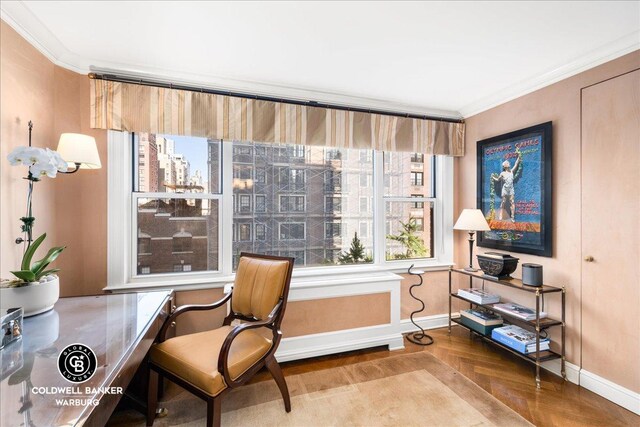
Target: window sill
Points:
x,y
301,278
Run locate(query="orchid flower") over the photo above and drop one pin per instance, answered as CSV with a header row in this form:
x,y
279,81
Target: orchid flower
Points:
x,y
40,161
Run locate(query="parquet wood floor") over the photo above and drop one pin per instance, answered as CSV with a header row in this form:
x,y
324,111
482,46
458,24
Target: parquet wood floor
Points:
x,y
506,377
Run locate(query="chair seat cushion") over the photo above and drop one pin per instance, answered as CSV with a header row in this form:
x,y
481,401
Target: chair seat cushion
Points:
x,y
194,357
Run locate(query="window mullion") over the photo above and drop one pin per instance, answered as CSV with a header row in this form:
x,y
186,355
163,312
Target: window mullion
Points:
x,y
378,208
225,224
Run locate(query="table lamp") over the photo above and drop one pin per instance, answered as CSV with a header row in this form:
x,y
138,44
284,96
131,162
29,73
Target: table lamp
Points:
x,y
79,151
471,220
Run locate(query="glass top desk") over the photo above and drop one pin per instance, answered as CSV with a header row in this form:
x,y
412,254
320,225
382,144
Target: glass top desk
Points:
x,y
119,328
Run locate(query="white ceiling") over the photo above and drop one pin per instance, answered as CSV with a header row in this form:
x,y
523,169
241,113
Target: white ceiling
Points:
x,y
446,58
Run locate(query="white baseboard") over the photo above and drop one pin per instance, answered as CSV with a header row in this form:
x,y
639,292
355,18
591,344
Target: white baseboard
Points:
x,y
572,371
617,394
339,341
427,322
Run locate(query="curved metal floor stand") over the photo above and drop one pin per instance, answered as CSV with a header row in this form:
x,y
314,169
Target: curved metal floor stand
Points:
x,y
420,338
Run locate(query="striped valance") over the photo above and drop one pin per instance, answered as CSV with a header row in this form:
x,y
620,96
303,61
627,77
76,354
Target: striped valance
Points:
x,y
142,108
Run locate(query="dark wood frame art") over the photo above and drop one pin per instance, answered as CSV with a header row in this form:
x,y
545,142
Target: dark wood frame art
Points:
x,y
546,248
273,322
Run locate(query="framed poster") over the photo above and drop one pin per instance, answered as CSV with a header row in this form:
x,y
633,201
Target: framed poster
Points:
x,y
514,190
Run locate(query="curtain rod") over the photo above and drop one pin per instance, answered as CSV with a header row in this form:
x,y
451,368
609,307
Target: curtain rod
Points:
x,y
143,82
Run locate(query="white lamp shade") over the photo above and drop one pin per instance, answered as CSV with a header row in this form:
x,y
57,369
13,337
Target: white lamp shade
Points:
x,y
77,148
471,220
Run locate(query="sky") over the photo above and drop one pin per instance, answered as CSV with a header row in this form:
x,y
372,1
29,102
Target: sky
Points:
x,y
195,151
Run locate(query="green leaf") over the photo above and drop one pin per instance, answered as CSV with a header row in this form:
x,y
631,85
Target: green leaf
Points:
x,y
26,275
39,266
28,255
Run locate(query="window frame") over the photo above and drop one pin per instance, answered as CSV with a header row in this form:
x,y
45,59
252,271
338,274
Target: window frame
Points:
x,y
122,227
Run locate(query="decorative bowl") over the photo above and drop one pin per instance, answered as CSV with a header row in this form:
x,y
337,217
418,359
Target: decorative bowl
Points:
x,y
497,265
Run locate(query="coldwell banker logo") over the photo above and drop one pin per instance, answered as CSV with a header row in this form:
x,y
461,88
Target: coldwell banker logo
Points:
x,y
77,363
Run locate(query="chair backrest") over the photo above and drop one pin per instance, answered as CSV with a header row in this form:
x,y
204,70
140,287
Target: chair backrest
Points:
x,y
261,281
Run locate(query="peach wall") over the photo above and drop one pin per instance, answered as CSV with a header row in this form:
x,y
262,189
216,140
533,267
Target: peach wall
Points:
x,y
26,85
71,209
561,104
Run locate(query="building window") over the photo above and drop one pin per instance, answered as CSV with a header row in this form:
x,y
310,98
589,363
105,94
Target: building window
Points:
x,y
244,204
364,204
292,231
145,270
244,232
417,158
417,205
181,267
417,178
364,230
332,181
332,229
261,176
292,203
261,232
144,243
292,179
333,204
261,203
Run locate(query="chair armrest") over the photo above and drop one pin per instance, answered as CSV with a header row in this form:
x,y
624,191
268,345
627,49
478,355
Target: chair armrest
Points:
x,y
185,308
223,357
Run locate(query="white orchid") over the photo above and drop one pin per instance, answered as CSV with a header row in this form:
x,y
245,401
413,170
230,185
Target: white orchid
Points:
x,y
41,161
57,160
39,170
25,155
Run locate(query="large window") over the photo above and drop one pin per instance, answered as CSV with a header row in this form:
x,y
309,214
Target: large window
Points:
x,y
328,206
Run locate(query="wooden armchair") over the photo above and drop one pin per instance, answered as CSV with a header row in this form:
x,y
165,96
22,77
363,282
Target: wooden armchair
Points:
x,y
209,364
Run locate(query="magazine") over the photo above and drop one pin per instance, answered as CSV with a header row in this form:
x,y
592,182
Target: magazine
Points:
x,y
479,296
517,333
482,317
519,311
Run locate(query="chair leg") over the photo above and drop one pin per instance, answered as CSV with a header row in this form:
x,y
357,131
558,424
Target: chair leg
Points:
x,y
152,397
214,412
276,373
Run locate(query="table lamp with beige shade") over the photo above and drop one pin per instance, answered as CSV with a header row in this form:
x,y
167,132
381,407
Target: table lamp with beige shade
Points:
x,y
471,220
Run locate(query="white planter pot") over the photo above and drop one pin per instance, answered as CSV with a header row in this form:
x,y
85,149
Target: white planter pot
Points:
x,y
34,299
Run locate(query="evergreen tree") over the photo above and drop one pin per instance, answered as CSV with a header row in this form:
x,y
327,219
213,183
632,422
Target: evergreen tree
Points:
x,y
409,239
355,254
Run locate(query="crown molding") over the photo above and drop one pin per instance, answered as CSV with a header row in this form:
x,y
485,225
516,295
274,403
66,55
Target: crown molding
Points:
x,y
18,15
598,56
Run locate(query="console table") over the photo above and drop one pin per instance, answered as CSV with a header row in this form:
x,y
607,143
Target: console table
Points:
x,y
119,328
537,325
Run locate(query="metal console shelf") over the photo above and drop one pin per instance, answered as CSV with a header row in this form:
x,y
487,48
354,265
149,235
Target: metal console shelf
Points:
x,y
536,325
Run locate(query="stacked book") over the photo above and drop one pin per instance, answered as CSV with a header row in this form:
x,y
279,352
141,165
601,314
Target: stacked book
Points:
x,y
518,339
481,321
518,311
479,296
